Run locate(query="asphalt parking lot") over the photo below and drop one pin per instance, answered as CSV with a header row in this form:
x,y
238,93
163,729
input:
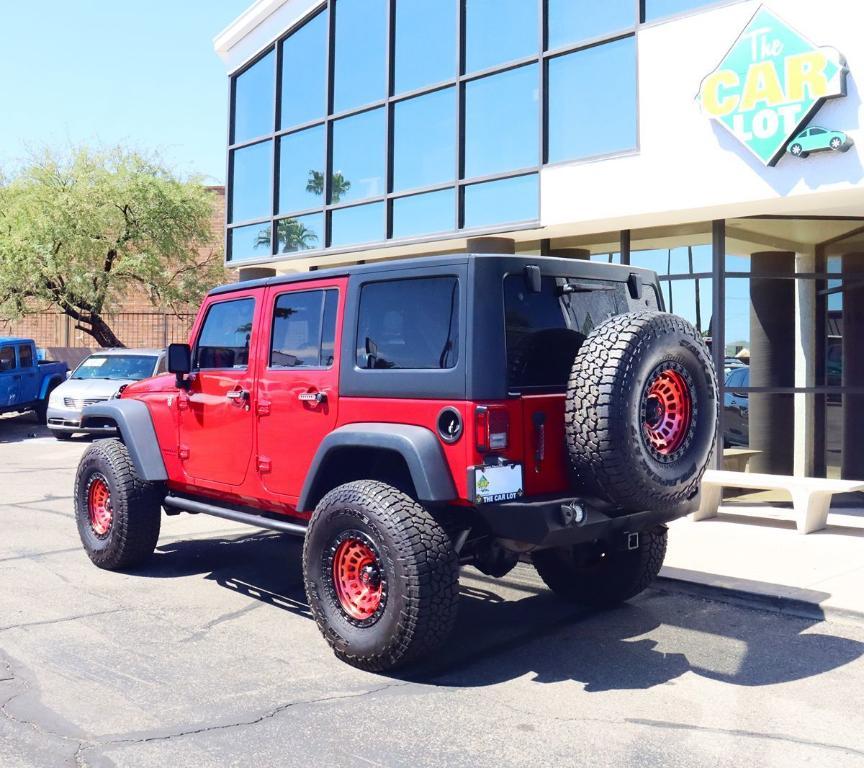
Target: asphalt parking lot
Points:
x,y
208,657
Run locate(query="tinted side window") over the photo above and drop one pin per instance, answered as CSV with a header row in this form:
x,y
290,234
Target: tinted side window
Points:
x,y
409,324
224,338
7,358
304,324
25,356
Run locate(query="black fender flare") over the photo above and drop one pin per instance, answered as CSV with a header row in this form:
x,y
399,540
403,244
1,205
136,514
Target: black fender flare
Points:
x,y
419,447
135,425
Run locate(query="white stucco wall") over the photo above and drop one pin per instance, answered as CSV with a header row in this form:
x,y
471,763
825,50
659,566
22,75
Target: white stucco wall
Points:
x,y
690,168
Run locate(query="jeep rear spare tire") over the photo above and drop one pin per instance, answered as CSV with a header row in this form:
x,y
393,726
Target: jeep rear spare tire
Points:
x,y
381,575
641,411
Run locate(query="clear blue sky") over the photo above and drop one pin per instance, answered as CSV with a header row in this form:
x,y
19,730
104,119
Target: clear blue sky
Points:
x,y
137,72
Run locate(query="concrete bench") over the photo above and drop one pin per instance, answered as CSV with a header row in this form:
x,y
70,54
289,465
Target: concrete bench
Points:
x,y
811,496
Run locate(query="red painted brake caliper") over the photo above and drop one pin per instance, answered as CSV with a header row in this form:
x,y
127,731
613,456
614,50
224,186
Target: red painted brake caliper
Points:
x,y
99,506
357,578
667,411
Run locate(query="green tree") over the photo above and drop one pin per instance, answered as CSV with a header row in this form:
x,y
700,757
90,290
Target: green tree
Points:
x,y
77,231
291,236
339,185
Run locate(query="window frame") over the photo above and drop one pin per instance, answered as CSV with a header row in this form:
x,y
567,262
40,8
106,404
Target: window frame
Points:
x,y
197,369
459,183
293,292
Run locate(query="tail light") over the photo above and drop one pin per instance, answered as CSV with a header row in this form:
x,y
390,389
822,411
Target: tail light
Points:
x,y
492,427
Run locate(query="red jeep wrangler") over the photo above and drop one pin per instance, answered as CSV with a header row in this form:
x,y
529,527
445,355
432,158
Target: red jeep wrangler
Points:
x,y
411,417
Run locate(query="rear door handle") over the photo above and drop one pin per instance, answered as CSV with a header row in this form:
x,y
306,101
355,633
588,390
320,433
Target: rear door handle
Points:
x,y
237,394
312,397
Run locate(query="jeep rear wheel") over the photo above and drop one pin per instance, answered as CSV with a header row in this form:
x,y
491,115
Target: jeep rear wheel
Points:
x,y
381,576
600,574
641,411
118,513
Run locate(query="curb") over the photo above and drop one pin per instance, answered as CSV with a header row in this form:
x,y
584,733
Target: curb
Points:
x,y
747,596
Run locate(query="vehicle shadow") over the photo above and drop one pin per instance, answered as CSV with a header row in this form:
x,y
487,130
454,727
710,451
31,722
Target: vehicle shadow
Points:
x,y
17,427
514,627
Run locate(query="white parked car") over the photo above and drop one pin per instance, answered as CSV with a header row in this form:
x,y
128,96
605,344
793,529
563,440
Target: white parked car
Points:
x,y
99,377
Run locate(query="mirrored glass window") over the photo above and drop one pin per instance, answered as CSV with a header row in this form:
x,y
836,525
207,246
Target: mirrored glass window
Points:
x,y
501,128
424,140
361,49
359,153
300,233
360,224
252,242
252,182
424,214
657,9
571,21
254,109
304,73
506,200
425,43
301,170
592,101
498,31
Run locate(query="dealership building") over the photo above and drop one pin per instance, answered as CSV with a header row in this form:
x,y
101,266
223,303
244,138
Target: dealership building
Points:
x,y
718,143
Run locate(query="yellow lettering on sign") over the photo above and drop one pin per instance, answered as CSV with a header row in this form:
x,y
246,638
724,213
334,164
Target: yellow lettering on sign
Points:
x,y
762,86
806,71
713,102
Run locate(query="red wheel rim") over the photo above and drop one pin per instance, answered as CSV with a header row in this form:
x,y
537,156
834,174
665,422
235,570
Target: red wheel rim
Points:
x,y
667,411
357,579
99,506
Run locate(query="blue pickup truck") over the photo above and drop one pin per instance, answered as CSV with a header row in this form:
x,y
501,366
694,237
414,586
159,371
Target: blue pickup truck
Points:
x,y
26,381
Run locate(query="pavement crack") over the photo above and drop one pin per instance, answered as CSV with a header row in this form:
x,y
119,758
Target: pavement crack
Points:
x,y
204,629
61,620
267,715
737,732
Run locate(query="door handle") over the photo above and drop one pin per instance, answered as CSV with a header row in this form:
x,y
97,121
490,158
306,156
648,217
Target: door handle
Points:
x,y
312,397
237,394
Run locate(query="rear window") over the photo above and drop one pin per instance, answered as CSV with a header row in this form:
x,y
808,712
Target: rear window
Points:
x,y
545,330
409,324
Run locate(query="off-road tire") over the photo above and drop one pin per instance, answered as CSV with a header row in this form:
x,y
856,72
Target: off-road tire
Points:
x,y
135,503
600,575
419,567
610,455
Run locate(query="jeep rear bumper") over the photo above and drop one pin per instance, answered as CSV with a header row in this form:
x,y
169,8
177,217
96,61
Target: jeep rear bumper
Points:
x,y
555,522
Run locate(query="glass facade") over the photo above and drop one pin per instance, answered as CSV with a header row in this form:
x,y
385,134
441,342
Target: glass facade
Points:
x,y
376,120
783,327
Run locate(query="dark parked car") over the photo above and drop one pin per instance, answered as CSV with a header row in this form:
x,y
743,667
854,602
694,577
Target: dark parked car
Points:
x,y
736,422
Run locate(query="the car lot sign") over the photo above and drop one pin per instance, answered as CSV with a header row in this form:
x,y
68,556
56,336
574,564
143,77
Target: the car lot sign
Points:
x,y
770,83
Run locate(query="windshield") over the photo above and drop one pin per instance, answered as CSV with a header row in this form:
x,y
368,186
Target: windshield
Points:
x,y
116,367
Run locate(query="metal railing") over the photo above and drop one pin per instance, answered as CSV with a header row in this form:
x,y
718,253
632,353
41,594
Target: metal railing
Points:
x,y
134,329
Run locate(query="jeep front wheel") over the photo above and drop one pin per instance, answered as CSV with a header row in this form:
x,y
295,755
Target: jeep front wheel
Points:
x,y
381,576
118,513
600,574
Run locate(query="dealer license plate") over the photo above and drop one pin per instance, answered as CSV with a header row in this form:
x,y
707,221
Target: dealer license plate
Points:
x,y
501,483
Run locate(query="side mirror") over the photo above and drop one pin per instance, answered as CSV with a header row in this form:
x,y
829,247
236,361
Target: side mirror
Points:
x,y
179,362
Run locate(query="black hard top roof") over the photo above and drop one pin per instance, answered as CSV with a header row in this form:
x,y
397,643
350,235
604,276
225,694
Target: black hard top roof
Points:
x,y
597,270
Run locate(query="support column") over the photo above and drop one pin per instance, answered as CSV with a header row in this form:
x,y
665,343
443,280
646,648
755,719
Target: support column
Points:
x,y
494,245
772,362
254,273
570,253
805,365
852,462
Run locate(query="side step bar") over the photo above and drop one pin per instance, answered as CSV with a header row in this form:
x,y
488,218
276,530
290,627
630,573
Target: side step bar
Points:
x,y
250,518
